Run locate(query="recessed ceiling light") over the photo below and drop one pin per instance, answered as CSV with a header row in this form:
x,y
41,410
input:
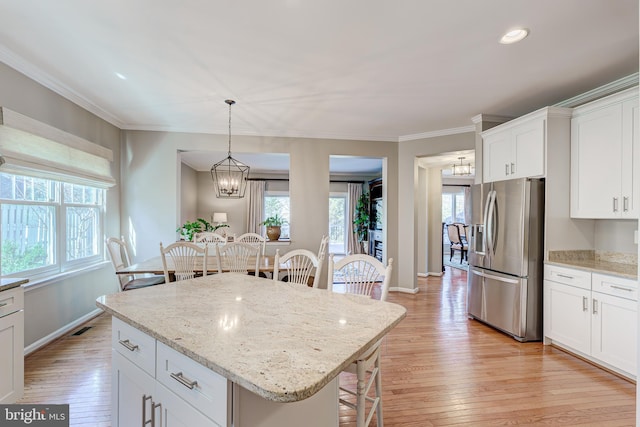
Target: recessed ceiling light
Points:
x,y
121,76
514,36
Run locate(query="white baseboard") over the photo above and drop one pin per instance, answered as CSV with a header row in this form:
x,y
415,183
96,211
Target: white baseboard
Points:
x,y
60,332
439,274
403,290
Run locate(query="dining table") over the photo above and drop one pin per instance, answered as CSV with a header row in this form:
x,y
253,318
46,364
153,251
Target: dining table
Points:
x,y
154,266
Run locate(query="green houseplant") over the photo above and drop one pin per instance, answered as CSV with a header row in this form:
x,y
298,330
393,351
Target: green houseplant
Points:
x,y
361,220
273,224
190,228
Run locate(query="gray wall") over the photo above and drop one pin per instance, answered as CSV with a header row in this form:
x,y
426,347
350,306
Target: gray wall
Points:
x,y
409,194
50,308
152,162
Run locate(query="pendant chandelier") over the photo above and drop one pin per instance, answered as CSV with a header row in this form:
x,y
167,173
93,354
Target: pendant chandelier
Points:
x,y
229,175
461,169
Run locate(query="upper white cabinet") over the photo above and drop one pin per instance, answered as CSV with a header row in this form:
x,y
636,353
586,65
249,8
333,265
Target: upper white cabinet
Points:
x,y
605,154
517,149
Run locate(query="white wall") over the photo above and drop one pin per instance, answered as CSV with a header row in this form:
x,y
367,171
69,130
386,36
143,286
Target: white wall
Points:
x,y
615,235
407,218
50,309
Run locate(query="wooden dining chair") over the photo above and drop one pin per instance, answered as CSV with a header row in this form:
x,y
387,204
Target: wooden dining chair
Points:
x,y
253,239
456,242
186,257
119,255
238,257
298,266
359,274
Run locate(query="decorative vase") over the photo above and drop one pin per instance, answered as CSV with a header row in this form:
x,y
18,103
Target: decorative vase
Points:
x,y
273,232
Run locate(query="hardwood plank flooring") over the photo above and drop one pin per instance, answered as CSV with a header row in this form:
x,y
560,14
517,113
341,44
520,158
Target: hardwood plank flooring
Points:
x,y
438,369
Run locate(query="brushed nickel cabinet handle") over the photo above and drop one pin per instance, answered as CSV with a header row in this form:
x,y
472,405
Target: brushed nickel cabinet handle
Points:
x,y
506,168
513,168
565,276
144,411
615,204
155,406
625,204
128,345
620,288
585,304
595,306
2,304
184,381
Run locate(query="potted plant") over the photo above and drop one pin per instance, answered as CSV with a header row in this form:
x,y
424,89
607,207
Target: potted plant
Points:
x,y
190,228
273,224
361,221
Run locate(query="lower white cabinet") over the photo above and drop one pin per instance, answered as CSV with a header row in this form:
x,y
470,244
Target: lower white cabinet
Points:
x,y
11,345
152,385
594,315
139,397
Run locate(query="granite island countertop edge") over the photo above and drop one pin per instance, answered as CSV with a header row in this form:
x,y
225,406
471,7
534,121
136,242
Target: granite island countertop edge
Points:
x,y
271,393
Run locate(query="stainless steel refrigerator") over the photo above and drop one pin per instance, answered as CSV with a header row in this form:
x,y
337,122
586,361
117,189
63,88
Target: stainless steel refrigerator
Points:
x,y
504,285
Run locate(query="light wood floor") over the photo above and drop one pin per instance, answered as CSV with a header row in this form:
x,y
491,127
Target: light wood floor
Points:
x,y
438,369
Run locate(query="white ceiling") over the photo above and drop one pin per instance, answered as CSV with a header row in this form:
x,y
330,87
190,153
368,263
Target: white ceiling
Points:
x,y
358,69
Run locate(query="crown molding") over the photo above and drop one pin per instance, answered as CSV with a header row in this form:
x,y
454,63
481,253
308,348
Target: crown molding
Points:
x,y
21,65
432,134
599,92
490,118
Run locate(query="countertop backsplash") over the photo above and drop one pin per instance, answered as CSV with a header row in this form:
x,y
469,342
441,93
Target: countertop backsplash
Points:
x,y
616,263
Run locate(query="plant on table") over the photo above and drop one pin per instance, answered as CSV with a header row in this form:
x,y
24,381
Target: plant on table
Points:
x,y
190,228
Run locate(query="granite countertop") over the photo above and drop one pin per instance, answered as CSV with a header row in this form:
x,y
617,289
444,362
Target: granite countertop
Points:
x,y
281,341
6,284
612,263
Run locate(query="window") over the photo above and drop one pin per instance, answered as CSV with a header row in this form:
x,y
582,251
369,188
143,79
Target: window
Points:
x,y
338,223
277,202
453,205
48,226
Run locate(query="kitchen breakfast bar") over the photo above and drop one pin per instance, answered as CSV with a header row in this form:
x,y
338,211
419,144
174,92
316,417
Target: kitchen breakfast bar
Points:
x,y
236,350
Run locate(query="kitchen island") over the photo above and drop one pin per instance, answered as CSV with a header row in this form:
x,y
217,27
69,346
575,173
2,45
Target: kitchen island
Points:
x,y
269,352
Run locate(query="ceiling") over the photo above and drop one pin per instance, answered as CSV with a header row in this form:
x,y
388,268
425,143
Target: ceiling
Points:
x,y
359,69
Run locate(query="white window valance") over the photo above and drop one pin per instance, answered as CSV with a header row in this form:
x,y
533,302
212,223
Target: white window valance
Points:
x,y
33,148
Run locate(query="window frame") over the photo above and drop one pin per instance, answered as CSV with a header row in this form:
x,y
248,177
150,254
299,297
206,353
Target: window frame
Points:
x,y
274,194
345,196
61,264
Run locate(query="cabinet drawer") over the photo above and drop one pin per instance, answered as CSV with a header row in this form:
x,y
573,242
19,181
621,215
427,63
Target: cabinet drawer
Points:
x,y
568,276
616,286
11,301
135,345
204,389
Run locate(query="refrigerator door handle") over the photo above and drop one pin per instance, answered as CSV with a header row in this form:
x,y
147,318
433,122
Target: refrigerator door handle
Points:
x,y
493,277
484,225
490,223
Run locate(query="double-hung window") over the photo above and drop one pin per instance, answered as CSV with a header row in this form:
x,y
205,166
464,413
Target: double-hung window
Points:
x,y
277,202
49,226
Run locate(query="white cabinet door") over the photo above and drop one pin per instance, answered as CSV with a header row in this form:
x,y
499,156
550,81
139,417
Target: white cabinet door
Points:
x,y
567,318
131,393
515,152
175,412
527,150
614,331
596,168
11,357
497,156
630,192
